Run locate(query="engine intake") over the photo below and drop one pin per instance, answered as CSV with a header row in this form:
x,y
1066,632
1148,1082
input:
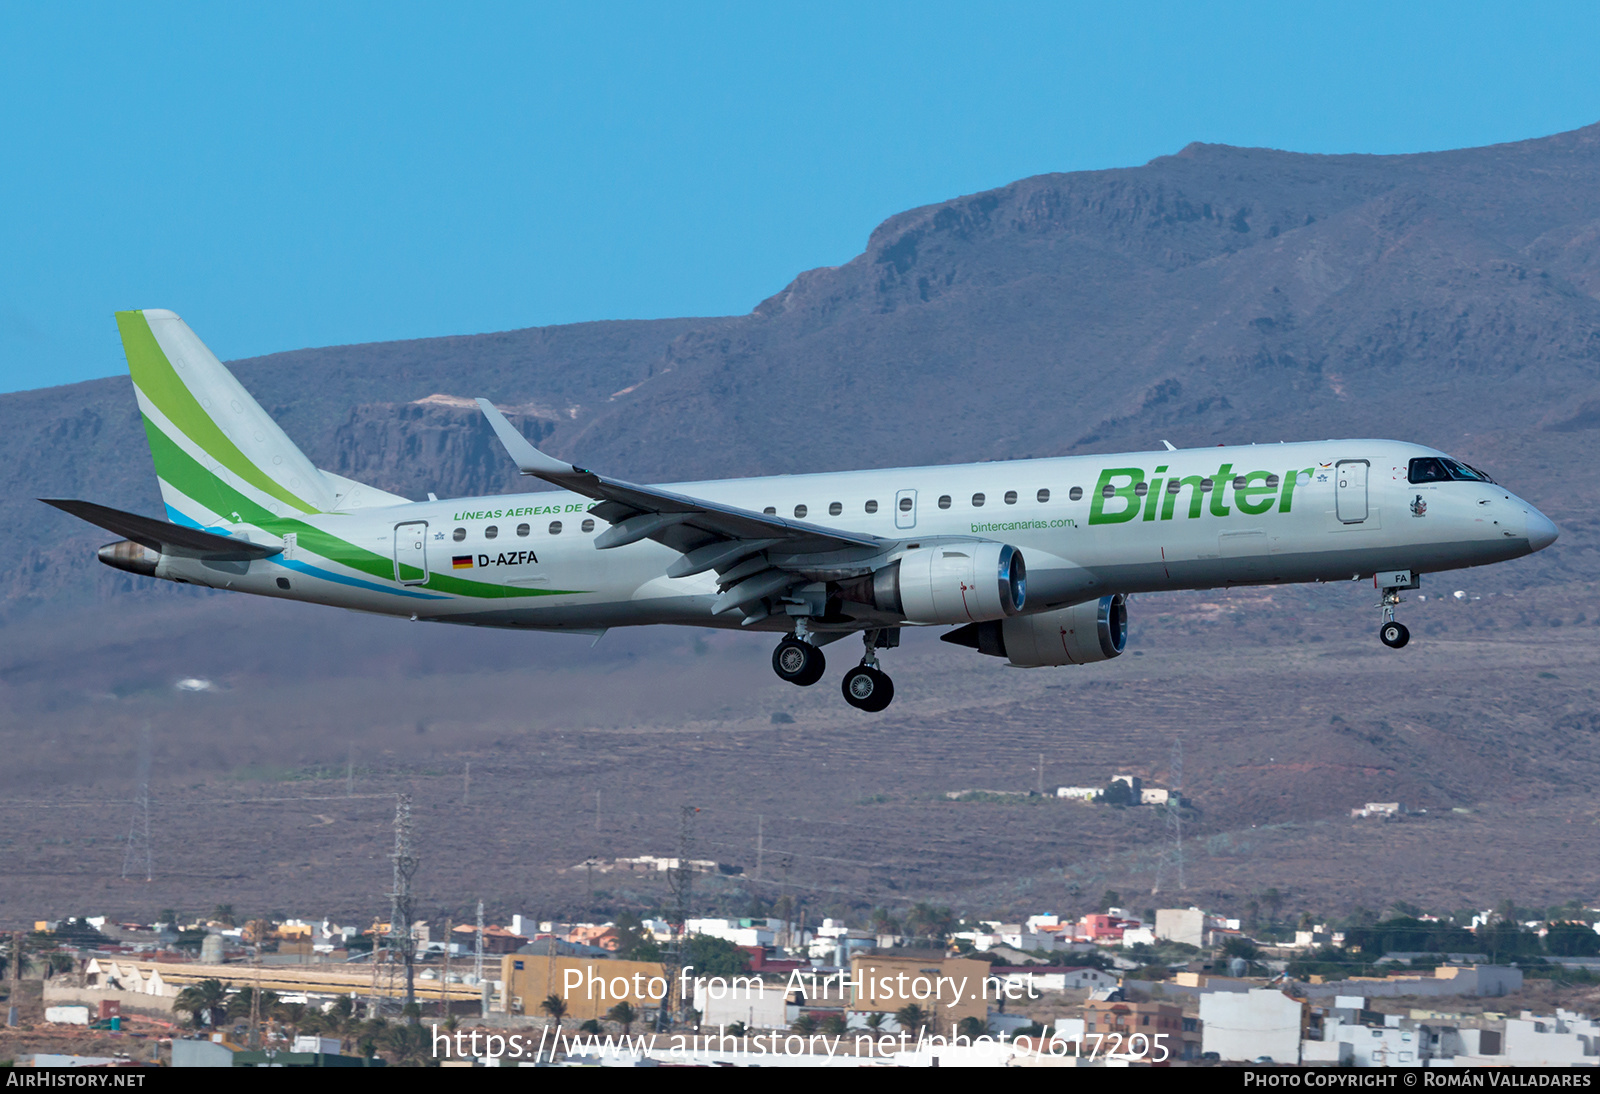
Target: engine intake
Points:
x,y
1093,631
947,583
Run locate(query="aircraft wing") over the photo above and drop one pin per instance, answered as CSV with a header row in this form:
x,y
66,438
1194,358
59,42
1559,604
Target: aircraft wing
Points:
x,y
163,536
737,543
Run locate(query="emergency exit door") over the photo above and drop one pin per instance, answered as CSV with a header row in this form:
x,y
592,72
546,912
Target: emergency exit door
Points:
x,y
905,509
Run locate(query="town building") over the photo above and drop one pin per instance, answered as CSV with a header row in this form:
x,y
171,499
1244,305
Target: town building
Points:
x,y
1249,1025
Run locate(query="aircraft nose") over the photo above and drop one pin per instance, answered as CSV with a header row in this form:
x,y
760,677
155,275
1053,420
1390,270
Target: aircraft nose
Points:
x,y
1542,531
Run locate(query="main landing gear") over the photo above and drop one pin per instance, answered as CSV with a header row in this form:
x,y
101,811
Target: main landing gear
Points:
x,y
865,687
798,662
1394,634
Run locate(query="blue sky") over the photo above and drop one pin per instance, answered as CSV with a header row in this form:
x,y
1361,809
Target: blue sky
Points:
x,y
291,175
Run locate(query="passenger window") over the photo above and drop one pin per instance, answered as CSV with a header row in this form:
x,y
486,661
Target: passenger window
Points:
x,y
490,532
944,501
1205,486
770,511
555,528
459,534
1075,494
1011,497
1044,496
977,501
1238,482
1141,489
1174,486
588,525
834,509
1272,482
872,507
1108,491
905,505
799,510
523,529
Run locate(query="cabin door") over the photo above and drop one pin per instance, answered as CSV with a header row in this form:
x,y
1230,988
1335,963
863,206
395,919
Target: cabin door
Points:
x,y
1350,491
411,552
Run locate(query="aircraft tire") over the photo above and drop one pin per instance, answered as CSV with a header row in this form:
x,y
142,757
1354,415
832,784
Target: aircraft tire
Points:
x,y
1394,635
866,688
799,663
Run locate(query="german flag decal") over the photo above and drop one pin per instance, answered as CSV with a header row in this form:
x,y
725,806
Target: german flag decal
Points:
x,y
461,562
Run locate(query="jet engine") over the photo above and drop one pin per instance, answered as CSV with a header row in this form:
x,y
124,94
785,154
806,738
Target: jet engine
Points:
x,y
947,583
133,557
1093,631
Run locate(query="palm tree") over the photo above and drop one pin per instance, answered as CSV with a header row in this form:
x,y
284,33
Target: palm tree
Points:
x,y
875,1020
341,1020
204,1001
972,1028
292,1015
926,921
834,1025
805,1025
407,1045
239,1005
624,1015
555,1007
912,1018
369,1035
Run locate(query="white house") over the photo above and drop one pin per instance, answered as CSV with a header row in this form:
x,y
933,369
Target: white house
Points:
x,y
1247,1025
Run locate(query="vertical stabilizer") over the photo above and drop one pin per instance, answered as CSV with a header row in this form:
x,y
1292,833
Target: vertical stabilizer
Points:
x,y
221,460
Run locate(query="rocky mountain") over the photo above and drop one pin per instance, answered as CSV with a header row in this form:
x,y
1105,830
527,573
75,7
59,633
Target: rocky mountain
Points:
x,y
1216,295
1219,294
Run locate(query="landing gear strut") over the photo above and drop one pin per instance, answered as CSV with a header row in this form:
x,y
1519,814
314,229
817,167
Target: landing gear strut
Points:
x,y
798,662
1394,634
867,687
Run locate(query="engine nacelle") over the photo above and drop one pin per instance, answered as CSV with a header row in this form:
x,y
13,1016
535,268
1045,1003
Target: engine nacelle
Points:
x,y
1095,631
133,557
948,583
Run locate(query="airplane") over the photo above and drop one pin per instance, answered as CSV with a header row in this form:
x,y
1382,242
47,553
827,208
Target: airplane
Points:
x,y
1031,560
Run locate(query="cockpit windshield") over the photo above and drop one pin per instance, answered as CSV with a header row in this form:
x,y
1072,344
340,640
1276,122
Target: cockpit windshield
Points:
x,y
1444,469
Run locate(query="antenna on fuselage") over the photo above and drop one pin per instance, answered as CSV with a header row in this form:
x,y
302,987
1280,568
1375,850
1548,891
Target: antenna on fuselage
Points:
x,y
1168,445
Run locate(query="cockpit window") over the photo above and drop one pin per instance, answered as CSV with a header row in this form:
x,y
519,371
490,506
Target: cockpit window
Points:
x,y
1428,469
1443,469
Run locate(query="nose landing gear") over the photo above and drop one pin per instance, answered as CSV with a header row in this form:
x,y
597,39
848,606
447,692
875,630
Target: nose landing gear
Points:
x,y
1392,582
867,687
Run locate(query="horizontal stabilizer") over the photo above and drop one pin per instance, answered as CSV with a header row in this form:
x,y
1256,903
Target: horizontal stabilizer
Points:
x,y
164,536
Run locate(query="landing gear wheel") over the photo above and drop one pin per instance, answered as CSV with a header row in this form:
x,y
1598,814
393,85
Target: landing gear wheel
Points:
x,y
1394,635
798,662
867,688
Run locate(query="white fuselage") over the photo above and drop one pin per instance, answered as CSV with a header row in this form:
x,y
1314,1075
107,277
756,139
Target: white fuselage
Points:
x,y
1247,515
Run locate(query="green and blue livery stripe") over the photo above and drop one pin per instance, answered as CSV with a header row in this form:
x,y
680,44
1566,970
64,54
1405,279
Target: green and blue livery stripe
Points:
x,y
155,377
185,473
310,570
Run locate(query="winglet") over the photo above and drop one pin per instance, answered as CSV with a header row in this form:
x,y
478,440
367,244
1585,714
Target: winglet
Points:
x,y
529,460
